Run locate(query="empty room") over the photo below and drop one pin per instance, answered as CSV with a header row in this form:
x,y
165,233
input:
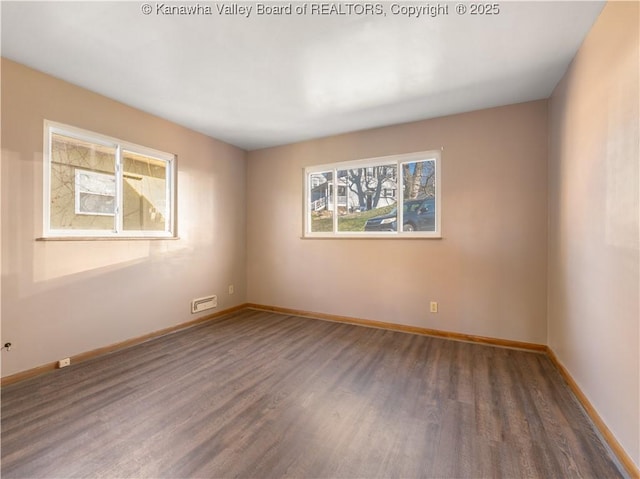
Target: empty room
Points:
x,y
320,239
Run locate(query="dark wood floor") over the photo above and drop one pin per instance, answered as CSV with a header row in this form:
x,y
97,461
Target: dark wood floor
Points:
x,y
264,395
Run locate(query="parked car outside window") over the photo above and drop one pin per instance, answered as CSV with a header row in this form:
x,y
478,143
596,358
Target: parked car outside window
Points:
x,y
418,215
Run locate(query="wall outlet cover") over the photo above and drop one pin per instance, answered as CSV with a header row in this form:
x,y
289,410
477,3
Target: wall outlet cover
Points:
x,y
63,363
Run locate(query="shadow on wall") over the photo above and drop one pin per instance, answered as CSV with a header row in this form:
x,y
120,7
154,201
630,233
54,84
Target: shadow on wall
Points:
x,y
51,260
78,312
33,264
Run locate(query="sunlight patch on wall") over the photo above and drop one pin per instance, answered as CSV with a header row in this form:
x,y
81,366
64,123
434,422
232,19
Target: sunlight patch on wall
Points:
x,y
621,164
57,259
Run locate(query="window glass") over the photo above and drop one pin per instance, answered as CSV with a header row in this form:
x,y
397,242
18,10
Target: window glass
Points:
x,y
82,184
321,201
419,211
369,197
100,186
95,193
144,193
360,198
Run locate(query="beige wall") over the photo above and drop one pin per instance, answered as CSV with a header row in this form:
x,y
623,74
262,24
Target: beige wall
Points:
x,y
67,297
498,271
594,298
488,272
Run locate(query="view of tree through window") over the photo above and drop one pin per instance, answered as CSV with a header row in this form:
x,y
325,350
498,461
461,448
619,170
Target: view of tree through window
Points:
x,y
369,192
419,196
361,198
144,195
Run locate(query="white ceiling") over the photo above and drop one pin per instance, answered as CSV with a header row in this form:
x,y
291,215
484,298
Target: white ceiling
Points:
x,y
269,80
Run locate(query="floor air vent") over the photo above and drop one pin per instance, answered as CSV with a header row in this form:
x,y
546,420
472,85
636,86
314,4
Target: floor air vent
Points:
x,y
202,304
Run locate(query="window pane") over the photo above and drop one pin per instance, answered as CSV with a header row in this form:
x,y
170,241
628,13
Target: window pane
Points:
x,y
368,199
419,188
82,184
95,193
321,201
144,194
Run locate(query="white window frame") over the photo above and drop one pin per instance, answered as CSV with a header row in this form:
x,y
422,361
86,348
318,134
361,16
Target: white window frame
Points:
x,y
398,160
120,146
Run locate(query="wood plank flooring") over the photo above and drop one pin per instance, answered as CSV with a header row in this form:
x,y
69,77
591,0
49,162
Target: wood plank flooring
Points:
x,y
265,395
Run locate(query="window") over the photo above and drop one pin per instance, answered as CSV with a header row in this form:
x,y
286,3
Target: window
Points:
x,y
360,198
102,187
95,193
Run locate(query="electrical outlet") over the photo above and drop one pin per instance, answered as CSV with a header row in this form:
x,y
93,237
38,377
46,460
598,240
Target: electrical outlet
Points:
x,y
231,290
433,306
63,363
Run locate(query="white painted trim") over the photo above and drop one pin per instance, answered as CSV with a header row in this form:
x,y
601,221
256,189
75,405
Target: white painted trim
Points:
x,y
46,179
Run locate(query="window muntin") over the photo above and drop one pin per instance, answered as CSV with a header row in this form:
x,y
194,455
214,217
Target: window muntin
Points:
x,y
368,193
102,187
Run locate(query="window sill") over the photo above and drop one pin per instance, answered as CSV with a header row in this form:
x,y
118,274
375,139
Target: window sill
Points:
x,y
106,238
371,237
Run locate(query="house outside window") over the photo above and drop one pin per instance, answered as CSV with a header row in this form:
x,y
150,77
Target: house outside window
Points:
x,y
368,192
97,186
95,193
